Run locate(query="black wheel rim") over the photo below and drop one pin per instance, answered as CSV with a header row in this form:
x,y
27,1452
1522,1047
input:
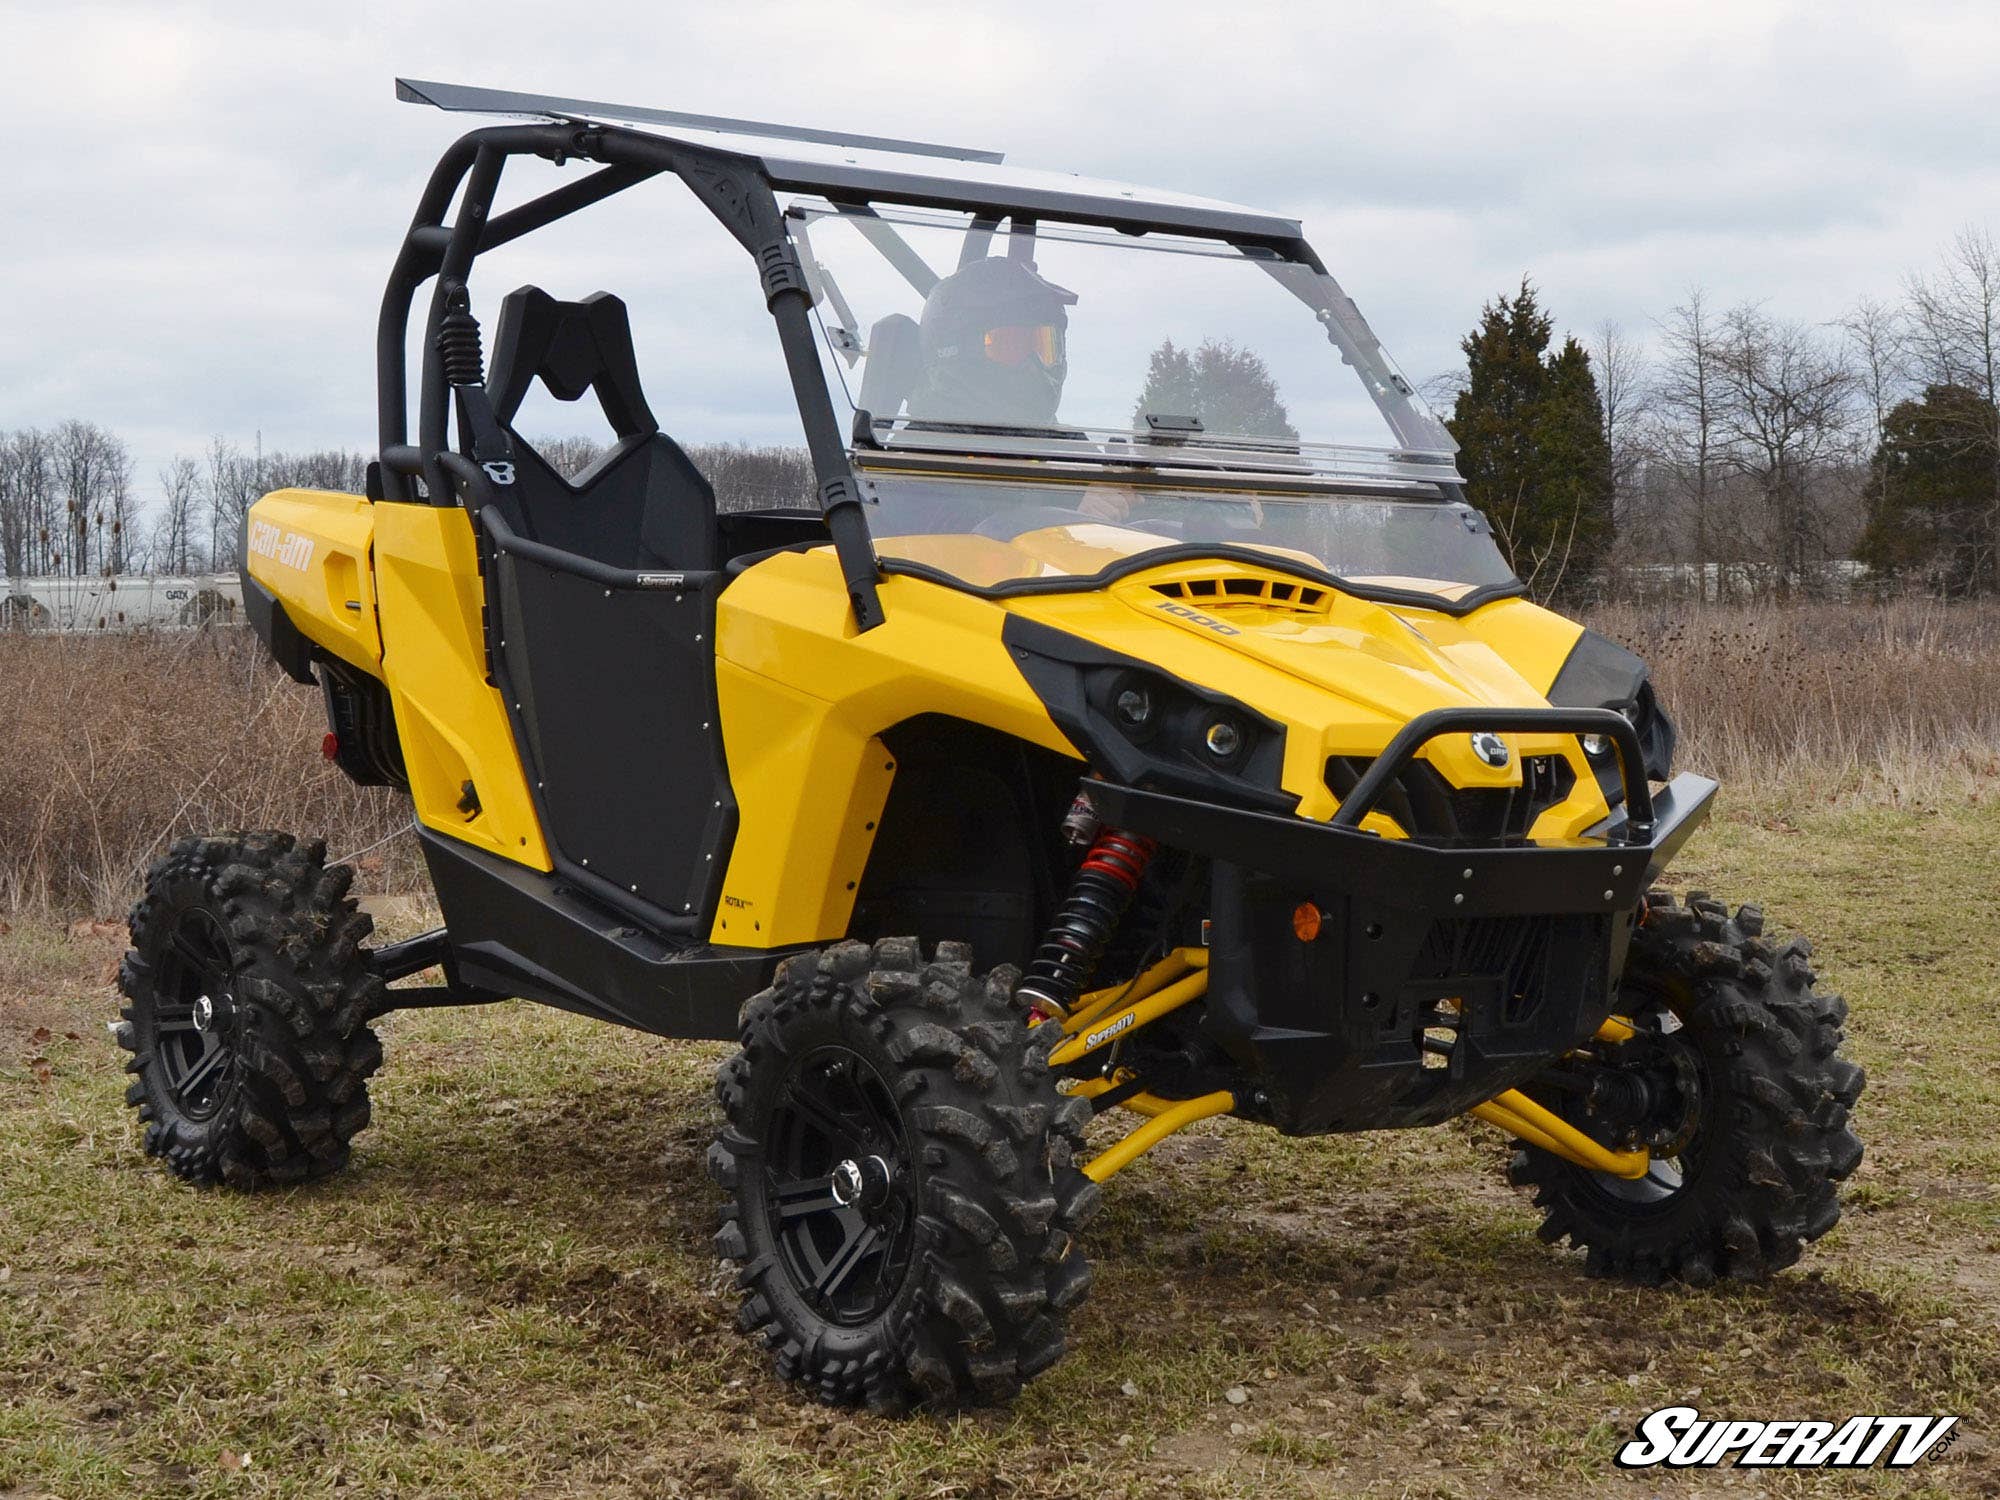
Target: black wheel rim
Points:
x,y
193,1014
838,1189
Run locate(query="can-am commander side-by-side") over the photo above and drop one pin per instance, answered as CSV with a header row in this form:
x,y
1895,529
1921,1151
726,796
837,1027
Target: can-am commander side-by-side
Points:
x,y
1136,717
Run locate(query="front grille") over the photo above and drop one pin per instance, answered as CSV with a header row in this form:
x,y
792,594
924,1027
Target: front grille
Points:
x,y
1430,809
1503,959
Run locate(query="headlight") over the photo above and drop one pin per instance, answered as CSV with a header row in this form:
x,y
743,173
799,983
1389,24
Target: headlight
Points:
x,y
1135,707
1602,674
1147,728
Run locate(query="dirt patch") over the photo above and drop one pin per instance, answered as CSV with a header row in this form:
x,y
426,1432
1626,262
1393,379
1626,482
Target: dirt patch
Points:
x,y
512,1291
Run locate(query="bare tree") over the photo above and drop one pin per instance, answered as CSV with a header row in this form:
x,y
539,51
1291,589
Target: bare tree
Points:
x,y
15,522
1687,398
120,513
1878,338
569,456
1787,417
1442,390
231,484
92,472
31,484
758,477
1622,392
175,548
340,469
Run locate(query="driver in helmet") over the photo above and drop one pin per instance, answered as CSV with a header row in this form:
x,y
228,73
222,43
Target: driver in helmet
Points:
x,y
992,347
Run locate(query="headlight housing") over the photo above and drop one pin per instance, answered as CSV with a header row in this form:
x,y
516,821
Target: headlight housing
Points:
x,y
1147,728
1600,673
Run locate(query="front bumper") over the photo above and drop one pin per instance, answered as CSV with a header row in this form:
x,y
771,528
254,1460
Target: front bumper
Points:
x,y
1502,957
1605,871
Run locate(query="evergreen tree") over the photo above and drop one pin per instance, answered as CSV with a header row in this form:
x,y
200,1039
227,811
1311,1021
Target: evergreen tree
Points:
x,y
1230,389
1532,446
1575,453
1930,489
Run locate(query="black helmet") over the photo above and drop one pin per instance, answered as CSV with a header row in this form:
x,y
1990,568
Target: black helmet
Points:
x,y
993,347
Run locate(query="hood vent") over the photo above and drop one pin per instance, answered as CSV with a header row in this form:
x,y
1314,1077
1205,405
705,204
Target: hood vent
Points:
x,y
1283,595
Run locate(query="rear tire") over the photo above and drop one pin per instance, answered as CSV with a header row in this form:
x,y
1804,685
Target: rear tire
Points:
x,y
902,1207
1744,1177
249,1001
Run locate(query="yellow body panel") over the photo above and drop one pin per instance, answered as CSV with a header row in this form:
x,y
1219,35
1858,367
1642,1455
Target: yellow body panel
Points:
x,y
804,697
451,721
1344,679
310,548
1534,641
351,575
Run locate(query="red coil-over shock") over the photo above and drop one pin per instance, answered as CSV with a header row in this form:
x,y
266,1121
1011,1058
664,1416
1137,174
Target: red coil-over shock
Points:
x,y
1103,888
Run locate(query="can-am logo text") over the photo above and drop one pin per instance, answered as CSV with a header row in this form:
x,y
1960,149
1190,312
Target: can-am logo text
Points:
x,y
1680,1437
287,547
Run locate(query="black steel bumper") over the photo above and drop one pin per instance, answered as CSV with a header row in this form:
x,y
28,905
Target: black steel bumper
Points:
x,y
1506,955
1607,871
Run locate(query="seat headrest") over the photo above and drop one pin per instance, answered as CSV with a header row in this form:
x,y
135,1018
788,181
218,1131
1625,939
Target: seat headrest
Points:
x,y
573,347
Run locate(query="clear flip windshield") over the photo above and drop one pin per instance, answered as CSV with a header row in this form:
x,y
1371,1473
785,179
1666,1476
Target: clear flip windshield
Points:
x,y
988,533
950,330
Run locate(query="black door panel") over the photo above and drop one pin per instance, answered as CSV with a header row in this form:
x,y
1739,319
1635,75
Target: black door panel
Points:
x,y
613,696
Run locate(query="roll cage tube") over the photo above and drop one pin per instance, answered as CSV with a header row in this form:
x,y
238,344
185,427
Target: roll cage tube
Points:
x,y
730,186
739,189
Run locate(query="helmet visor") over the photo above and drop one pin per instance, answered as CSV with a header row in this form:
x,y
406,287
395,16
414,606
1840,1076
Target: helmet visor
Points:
x,y
1017,343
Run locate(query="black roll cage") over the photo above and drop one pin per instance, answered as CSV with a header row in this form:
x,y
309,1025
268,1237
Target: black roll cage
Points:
x,y
740,191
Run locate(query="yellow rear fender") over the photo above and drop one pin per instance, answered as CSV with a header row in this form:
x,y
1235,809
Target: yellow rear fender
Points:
x,y
465,772
311,550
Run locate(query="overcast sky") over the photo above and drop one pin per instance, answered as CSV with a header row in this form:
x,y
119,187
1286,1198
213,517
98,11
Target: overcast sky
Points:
x,y
202,200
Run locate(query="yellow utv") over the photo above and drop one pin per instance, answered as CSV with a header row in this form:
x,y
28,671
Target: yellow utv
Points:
x,y
1136,720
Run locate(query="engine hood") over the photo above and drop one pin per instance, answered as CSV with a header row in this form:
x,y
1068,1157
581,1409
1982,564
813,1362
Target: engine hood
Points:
x,y
1340,672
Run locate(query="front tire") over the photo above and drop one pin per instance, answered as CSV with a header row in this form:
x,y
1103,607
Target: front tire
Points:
x,y
247,1023
1741,1093
902,1207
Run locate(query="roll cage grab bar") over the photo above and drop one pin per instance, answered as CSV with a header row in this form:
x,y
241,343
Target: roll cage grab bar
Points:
x,y
738,190
729,185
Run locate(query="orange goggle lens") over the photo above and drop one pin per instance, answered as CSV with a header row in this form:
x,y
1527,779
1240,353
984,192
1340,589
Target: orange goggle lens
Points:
x,y
1013,344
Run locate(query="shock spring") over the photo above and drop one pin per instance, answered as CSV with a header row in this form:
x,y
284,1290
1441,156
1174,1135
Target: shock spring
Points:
x,y
1104,886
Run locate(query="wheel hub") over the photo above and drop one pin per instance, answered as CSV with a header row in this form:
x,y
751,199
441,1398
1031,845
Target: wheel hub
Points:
x,y
1652,1097
861,1184
204,1013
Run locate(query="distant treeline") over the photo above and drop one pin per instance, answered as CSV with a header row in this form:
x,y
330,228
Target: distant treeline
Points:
x,y
1742,454
1725,453
68,508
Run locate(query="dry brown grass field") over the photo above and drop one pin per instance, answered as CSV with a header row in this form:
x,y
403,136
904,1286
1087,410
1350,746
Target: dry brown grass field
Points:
x,y
511,1292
